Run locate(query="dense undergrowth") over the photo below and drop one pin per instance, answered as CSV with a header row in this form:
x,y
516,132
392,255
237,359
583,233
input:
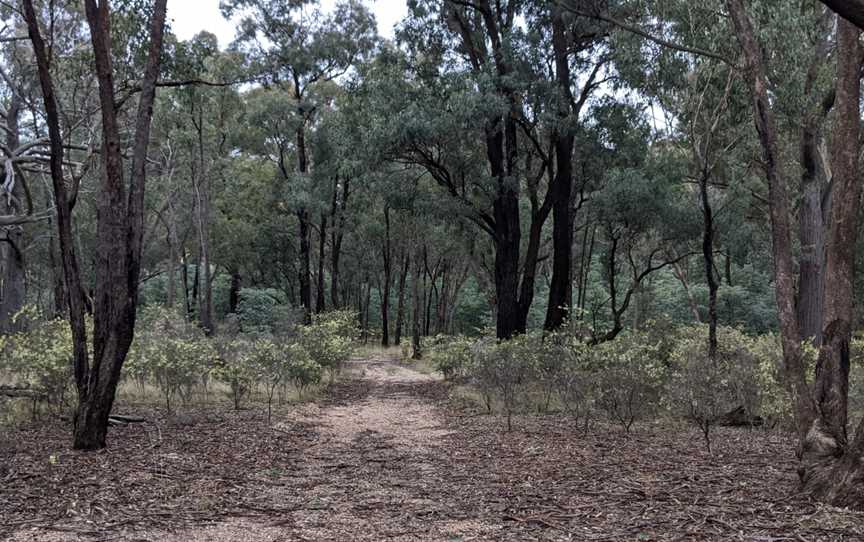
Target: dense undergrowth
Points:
x,y
640,376
174,363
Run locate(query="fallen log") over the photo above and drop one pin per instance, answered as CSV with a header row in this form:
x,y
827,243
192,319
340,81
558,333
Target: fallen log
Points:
x,y
128,419
739,417
18,392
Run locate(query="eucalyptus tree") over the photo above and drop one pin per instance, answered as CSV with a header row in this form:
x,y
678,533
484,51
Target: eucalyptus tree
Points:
x,y
296,47
120,220
830,463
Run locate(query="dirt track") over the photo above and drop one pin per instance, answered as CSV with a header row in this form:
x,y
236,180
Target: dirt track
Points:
x,y
383,457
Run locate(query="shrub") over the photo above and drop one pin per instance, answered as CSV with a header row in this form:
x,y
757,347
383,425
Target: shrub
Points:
x,y
630,376
171,352
329,339
453,358
573,381
303,371
704,389
504,369
234,369
40,356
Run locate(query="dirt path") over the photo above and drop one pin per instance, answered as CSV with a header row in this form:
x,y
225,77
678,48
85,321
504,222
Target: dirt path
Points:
x,y
383,457
374,473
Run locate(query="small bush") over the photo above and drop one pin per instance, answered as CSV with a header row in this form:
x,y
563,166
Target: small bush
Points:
x,y
40,356
453,358
703,389
630,377
503,370
329,340
170,352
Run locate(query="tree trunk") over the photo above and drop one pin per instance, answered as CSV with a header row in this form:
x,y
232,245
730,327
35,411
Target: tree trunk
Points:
x,y
708,256
832,469
120,221
830,466
202,197
400,308
338,233
12,197
416,309
304,228
322,245
234,294
560,288
388,272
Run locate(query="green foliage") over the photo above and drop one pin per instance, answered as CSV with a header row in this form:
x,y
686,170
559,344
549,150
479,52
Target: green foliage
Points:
x,y
233,367
452,358
263,311
503,369
703,389
630,376
170,352
40,356
329,340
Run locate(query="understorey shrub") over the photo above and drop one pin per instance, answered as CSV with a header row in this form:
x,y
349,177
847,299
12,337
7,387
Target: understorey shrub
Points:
x,y
329,340
707,390
574,382
453,358
504,370
170,352
233,368
39,357
630,375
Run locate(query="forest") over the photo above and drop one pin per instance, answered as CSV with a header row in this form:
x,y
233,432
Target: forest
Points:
x,y
518,270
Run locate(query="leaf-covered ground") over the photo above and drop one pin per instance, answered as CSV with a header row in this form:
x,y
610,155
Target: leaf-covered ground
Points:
x,y
383,457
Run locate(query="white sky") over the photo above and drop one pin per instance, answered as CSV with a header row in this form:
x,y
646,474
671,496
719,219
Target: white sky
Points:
x,y
188,17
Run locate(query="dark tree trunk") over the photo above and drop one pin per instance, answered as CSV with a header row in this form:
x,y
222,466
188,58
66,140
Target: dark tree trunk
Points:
x,y
234,293
120,221
304,227
708,257
388,272
305,273
400,308
416,309
560,288
322,245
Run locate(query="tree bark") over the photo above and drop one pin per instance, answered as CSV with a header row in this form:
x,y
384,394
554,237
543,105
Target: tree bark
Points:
x,y
708,258
416,309
120,221
560,288
400,308
12,270
388,272
830,466
304,230
320,304
831,469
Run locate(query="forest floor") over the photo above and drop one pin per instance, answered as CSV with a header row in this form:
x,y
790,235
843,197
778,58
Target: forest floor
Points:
x,y
384,455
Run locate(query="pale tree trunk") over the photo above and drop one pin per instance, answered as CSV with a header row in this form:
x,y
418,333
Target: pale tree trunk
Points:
x,y
202,216
12,272
830,466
